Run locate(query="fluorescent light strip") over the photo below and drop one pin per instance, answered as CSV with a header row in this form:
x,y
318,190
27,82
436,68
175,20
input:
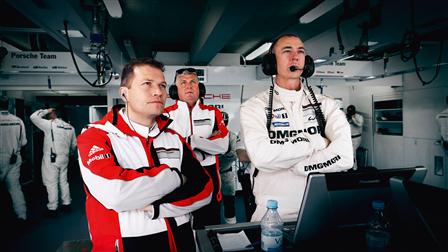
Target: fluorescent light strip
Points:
x,y
114,8
259,51
74,33
319,10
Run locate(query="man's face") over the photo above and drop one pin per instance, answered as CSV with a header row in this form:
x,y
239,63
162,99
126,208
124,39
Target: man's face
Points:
x,y
289,51
188,88
146,94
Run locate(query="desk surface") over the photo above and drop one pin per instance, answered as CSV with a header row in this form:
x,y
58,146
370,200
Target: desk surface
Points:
x,y
207,240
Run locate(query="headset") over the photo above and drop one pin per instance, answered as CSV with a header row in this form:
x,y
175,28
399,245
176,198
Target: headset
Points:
x,y
175,95
269,64
269,67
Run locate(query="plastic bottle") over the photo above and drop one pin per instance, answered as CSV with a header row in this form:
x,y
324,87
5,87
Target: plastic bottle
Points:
x,y
378,234
271,228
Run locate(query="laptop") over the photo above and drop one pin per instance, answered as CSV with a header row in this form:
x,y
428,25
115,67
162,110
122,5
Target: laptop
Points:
x,y
337,206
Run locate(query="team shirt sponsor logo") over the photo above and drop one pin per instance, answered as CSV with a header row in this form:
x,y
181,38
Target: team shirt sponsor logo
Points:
x,y
323,164
168,153
201,122
64,128
284,136
94,150
9,124
280,124
98,157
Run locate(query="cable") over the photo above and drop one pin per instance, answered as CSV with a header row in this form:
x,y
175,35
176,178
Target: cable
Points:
x,y
439,60
269,115
317,110
76,64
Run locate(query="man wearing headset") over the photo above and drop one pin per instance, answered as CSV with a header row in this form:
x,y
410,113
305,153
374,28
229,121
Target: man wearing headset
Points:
x,y
141,178
296,140
203,127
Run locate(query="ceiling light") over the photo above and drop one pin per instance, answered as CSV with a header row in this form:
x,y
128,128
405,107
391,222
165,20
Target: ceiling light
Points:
x,y
73,33
259,51
129,48
316,61
114,8
346,57
372,43
319,10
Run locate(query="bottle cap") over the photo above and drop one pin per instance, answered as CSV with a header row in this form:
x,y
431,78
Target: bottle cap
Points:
x,y
378,205
272,204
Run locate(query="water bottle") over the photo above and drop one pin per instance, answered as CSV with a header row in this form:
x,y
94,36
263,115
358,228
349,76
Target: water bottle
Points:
x,y
271,228
378,235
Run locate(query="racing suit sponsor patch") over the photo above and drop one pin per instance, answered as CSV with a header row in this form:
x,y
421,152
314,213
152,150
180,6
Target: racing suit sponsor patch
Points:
x,y
200,122
98,157
280,124
94,150
172,153
323,164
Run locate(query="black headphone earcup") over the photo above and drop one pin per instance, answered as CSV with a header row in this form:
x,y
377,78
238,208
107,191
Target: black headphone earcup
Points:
x,y
269,64
308,68
173,92
201,89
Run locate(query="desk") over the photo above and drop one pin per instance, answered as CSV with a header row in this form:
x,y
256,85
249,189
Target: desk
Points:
x,y
207,240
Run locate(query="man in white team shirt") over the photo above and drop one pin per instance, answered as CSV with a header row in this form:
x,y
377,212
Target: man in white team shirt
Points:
x,y
291,146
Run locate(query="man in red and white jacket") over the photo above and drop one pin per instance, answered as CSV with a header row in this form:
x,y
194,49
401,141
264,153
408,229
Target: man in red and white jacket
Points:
x,y
142,179
203,127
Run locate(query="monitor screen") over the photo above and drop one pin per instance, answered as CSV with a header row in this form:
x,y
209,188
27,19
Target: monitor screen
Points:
x,y
336,206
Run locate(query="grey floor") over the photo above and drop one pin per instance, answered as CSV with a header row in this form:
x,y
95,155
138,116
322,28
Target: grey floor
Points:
x,y
47,234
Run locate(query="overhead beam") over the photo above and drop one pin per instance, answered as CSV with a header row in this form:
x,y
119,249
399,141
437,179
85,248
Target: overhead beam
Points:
x,y
220,22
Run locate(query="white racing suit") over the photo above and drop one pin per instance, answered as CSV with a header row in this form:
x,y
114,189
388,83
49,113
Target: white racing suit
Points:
x,y
356,122
293,147
206,132
226,171
12,138
59,139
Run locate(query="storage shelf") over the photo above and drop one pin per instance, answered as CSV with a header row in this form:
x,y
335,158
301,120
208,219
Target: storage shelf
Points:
x,y
391,112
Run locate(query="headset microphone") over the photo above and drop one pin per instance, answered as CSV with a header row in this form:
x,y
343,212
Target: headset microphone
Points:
x,y
294,68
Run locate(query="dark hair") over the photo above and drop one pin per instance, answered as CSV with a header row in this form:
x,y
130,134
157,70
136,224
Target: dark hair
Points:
x,y
4,102
128,70
271,49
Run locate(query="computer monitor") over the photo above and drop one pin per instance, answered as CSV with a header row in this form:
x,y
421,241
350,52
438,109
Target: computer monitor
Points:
x,y
336,206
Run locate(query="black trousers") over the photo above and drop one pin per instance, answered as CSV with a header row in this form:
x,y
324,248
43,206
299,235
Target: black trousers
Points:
x,y
248,196
183,236
211,213
229,206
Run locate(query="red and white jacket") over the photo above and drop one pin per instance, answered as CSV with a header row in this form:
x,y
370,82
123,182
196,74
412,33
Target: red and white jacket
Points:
x,y
124,172
197,126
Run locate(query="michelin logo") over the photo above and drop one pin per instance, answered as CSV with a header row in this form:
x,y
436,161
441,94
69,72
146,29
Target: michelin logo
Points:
x,y
98,157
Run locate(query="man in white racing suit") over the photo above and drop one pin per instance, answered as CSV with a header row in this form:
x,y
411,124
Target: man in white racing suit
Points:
x,y
59,143
204,128
12,138
293,146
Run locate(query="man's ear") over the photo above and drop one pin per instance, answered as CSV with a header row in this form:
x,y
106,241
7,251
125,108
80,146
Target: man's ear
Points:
x,y
123,93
